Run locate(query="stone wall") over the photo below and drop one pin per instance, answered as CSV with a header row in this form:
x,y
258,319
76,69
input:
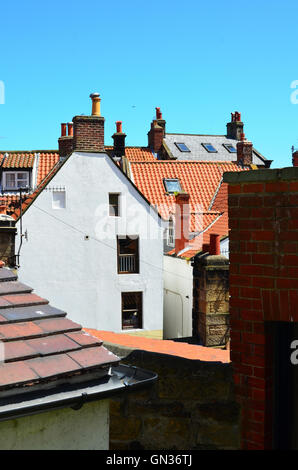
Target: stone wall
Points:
x,y
191,406
211,299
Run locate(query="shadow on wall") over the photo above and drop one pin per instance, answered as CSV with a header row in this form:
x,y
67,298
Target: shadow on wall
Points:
x,y
190,407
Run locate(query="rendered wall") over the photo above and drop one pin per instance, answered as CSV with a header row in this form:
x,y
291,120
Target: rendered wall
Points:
x,y
79,274
178,283
65,429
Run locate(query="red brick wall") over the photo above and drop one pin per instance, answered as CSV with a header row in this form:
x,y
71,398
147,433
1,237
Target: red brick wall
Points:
x,y
263,218
88,133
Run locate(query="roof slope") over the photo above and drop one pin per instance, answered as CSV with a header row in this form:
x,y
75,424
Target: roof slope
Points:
x,y
198,152
41,348
200,180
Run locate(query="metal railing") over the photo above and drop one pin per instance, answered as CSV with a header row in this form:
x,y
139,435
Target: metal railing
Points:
x,y
127,263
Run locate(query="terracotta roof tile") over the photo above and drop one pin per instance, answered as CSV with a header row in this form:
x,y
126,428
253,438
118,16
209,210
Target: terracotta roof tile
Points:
x,y
135,154
39,345
17,160
199,179
189,351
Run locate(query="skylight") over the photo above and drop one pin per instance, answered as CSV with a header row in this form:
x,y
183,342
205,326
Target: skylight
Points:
x,y
172,185
182,147
209,148
230,148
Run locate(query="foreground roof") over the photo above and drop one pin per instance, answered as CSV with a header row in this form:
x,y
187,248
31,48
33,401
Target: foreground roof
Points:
x,y
39,347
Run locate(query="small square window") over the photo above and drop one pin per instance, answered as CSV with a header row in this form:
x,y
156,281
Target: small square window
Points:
x,y
182,147
209,148
58,200
114,206
230,148
15,180
172,185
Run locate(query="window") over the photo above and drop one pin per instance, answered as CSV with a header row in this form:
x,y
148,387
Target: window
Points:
x,y
15,179
230,148
128,254
114,204
209,148
182,147
131,310
172,185
171,237
58,200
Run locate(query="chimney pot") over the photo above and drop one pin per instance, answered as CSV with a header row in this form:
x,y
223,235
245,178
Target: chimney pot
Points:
x,y
70,128
214,244
95,104
119,126
158,113
63,129
235,127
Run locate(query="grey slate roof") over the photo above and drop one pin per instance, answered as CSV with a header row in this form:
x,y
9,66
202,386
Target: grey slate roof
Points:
x,y
198,152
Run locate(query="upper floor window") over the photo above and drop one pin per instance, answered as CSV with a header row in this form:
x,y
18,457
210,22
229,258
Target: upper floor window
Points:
x,y
128,255
114,204
209,148
172,185
15,179
182,147
230,148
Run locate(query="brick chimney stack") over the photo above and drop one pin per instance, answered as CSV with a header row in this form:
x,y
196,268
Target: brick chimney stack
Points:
x,y
89,130
244,151
65,142
157,132
160,121
235,127
119,141
182,218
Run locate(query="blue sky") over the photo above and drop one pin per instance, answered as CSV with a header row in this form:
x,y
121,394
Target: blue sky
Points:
x,y
197,60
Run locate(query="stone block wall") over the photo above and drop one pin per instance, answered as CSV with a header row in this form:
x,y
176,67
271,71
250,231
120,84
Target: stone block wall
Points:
x,y
211,299
191,406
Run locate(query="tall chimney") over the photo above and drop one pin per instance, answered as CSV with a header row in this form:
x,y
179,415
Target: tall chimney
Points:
x,y
89,130
119,141
244,151
182,218
65,142
160,121
235,127
155,137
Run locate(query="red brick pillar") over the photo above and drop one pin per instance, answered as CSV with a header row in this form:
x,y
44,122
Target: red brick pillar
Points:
x,y
263,218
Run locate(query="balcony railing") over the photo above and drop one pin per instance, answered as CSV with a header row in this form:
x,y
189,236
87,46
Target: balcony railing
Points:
x,y
128,263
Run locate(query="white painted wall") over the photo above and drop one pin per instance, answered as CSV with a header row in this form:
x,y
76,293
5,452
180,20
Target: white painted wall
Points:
x,y
80,275
65,429
178,285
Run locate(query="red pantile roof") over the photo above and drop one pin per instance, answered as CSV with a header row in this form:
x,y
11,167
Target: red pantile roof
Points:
x,y
17,160
39,346
135,154
199,179
189,351
47,161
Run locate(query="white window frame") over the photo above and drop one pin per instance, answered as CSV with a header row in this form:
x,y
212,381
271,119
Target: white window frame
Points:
x,y
55,206
171,233
15,173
